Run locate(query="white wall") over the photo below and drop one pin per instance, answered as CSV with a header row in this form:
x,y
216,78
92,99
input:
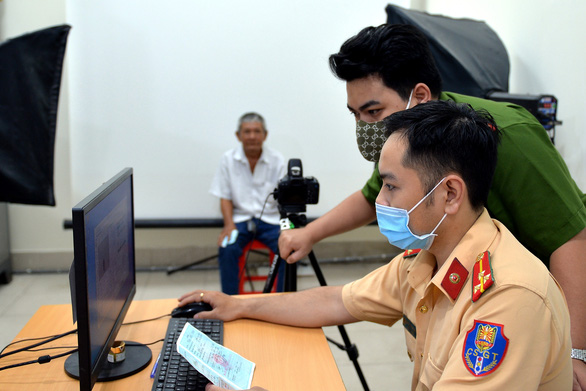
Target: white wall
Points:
x,y
194,115
159,86
544,40
547,51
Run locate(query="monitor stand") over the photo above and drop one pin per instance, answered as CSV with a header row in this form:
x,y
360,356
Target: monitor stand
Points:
x,y
138,356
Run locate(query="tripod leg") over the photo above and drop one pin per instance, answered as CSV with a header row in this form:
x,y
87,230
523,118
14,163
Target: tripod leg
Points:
x,y
352,352
290,277
316,269
272,274
349,347
184,267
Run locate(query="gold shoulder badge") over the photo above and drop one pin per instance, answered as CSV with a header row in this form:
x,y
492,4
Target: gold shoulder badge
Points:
x,y
482,278
411,253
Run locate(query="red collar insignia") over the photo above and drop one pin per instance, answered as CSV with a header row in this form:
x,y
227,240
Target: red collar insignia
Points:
x,y
481,276
411,253
454,279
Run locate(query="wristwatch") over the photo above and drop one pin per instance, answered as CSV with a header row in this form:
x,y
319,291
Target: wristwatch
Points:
x,y
579,354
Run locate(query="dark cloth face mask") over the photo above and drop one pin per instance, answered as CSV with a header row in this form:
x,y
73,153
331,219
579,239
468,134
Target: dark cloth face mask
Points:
x,y
371,137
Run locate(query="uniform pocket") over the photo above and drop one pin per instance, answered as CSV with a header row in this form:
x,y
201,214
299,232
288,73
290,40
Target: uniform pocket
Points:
x,y
430,374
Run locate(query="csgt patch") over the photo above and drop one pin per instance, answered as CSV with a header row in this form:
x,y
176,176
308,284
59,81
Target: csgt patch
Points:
x,y
485,348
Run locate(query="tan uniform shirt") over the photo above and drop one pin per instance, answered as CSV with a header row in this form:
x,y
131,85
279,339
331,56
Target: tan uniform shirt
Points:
x,y
515,336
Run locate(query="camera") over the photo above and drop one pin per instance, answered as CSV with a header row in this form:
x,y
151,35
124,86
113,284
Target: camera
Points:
x,y
294,191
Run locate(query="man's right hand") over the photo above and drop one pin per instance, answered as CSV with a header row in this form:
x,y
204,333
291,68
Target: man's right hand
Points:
x,y
355,211
295,244
226,232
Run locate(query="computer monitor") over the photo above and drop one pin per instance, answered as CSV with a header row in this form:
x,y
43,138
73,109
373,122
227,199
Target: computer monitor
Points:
x,y
104,282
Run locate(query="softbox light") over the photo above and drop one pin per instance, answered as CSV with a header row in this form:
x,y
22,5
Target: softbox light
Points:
x,y
471,58
30,80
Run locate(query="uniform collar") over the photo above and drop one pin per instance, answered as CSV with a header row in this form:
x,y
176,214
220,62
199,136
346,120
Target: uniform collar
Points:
x,y
452,276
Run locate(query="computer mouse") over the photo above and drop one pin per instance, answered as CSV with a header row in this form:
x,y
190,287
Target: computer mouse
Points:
x,y
188,310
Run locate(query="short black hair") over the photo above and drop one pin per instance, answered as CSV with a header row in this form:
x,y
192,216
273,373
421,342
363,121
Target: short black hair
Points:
x,y
445,137
398,53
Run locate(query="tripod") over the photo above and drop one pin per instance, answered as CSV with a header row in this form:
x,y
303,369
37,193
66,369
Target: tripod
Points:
x,y
299,220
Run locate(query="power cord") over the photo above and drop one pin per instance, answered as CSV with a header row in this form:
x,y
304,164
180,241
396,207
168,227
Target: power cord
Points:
x,y
245,268
50,339
145,344
47,358
40,360
145,320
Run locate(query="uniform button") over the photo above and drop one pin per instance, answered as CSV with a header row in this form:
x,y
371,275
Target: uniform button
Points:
x,y
410,356
421,355
423,309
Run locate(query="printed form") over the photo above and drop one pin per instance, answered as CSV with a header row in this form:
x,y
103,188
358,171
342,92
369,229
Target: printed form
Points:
x,y
218,364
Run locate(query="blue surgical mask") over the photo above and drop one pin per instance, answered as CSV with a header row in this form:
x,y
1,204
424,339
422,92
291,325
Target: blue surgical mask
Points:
x,y
371,137
394,224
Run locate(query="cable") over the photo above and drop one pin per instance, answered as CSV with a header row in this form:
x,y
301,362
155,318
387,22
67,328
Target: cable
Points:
x,y
145,320
146,344
26,339
52,348
52,338
40,360
47,358
245,268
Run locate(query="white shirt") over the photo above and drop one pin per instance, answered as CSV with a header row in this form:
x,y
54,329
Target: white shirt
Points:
x,y
247,190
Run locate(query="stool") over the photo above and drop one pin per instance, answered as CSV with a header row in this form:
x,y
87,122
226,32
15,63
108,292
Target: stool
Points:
x,y
254,245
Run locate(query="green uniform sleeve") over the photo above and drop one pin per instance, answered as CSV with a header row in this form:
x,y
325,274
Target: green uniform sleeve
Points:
x,y
372,187
532,192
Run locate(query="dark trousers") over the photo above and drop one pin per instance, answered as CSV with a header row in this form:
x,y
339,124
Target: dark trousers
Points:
x,y
267,234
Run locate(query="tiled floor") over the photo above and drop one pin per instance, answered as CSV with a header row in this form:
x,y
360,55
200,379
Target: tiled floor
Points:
x,y
383,359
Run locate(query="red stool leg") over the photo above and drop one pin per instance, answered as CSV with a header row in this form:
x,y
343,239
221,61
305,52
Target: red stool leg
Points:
x,y
254,245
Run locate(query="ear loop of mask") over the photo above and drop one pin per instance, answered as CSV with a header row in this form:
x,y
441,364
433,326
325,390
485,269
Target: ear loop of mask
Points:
x,y
420,201
409,102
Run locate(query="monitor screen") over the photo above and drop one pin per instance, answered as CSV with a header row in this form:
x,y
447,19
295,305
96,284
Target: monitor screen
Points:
x,y
104,277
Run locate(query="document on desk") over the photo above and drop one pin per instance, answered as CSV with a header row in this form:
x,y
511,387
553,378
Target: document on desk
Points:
x,y
217,363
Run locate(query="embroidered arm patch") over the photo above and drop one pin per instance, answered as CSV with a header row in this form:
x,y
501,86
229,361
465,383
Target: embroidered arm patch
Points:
x,y
485,348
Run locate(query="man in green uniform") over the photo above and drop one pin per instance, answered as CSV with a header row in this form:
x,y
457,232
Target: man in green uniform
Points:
x,y
390,68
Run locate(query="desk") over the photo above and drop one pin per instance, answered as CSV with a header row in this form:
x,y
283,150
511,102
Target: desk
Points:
x,y
287,358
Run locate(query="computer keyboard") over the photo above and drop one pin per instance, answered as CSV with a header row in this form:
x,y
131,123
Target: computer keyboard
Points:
x,y
173,371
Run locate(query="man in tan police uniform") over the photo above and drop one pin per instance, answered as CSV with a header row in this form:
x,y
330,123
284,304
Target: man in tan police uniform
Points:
x,y
514,336
479,310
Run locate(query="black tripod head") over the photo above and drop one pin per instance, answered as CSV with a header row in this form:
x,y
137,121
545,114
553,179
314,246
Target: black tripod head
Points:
x,y
294,191
297,219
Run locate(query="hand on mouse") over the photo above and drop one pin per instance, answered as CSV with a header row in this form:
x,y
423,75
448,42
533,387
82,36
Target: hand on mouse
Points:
x,y
224,307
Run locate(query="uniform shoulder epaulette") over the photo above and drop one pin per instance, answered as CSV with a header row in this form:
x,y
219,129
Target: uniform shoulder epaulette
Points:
x,y
411,253
482,277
